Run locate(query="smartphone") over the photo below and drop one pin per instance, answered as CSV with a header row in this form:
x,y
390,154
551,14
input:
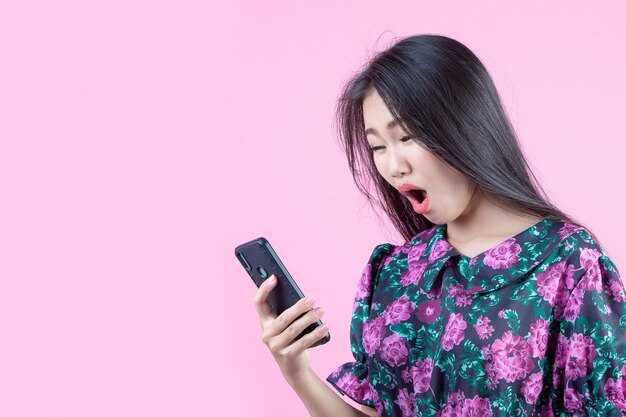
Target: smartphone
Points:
x,y
261,261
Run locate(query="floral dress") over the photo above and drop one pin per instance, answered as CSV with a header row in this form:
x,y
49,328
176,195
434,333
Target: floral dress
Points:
x,y
535,326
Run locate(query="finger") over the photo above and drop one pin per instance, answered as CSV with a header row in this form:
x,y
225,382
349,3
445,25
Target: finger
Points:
x,y
294,312
287,336
307,340
263,308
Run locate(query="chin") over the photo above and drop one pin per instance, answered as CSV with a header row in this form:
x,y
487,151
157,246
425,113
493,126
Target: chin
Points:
x,y
433,219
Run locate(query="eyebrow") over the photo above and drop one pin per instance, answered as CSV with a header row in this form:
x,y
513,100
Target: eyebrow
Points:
x,y
390,125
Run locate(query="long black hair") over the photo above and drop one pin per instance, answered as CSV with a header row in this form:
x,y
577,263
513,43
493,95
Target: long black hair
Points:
x,y
440,92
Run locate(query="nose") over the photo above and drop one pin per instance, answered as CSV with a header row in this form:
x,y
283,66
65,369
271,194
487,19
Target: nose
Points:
x,y
398,164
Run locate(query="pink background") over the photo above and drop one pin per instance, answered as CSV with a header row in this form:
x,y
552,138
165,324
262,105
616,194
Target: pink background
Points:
x,y
140,142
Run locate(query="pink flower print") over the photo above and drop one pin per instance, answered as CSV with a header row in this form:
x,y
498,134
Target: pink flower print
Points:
x,y
456,397
406,402
421,374
351,385
504,255
538,338
454,332
501,314
486,352
438,250
580,356
574,369
378,405
472,290
428,311
413,273
430,232
397,250
476,407
394,350
368,392
546,409
473,261
483,328
573,400
511,357
454,407
562,348
399,310
616,290
364,286
435,291
531,387
373,332
567,229
574,304
454,290
568,277
415,252
615,392
461,294
406,375
450,411
592,279
462,299
560,302
492,375
550,281
557,378
589,257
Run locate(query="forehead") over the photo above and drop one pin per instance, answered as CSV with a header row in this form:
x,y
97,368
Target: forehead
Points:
x,y
376,115
373,102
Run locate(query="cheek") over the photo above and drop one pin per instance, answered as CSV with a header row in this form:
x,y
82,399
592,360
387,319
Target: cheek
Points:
x,y
460,192
453,185
381,167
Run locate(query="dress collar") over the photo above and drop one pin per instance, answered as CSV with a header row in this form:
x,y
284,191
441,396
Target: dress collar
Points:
x,y
511,259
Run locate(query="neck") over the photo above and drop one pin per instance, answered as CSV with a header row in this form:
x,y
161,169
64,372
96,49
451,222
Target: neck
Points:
x,y
483,220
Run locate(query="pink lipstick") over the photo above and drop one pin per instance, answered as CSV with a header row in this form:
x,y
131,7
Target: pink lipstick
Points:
x,y
417,196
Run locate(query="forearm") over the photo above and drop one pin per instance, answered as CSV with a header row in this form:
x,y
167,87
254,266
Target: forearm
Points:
x,y
320,400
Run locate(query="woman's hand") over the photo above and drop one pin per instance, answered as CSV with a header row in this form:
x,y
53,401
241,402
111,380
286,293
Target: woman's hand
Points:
x,y
279,332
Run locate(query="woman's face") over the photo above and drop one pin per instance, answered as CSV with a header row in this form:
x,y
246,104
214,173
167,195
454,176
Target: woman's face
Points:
x,y
399,162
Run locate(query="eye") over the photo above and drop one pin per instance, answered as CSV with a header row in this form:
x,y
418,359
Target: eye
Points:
x,y
405,138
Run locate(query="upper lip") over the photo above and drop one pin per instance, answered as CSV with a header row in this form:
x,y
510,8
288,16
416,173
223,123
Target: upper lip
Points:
x,y
406,187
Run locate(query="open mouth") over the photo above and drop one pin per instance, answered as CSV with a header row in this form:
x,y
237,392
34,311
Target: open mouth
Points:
x,y
419,195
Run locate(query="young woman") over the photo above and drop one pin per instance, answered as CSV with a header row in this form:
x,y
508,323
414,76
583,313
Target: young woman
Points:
x,y
498,303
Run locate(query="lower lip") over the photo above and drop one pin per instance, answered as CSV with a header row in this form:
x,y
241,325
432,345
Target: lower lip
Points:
x,y
422,207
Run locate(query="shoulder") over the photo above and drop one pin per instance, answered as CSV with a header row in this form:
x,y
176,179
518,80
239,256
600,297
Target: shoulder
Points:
x,y
580,249
590,279
383,253
382,260
564,256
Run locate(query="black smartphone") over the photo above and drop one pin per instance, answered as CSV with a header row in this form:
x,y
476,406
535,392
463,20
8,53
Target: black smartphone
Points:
x,y
261,261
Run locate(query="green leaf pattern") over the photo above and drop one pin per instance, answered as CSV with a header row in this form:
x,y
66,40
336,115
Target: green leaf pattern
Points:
x,y
519,330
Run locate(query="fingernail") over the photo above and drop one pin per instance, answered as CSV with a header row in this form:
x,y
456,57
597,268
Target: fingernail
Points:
x,y
310,301
272,279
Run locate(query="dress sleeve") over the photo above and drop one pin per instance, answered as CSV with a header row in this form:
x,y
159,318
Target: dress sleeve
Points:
x,y
351,378
589,372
